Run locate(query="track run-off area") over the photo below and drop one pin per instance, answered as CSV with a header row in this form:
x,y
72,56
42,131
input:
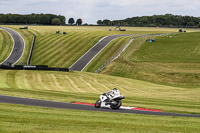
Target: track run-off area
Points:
x,y
18,47
79,106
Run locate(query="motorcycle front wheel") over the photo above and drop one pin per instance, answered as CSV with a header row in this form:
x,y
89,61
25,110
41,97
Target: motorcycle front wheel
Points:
x,y
98,104
116,106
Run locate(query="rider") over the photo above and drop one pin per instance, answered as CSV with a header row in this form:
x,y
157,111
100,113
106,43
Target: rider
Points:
x,y
111,93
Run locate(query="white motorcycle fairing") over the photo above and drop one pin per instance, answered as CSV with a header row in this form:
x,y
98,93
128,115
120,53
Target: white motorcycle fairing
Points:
x,y
111,101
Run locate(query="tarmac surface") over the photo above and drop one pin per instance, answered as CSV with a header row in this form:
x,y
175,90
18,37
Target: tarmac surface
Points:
x,y
83,61
18,48
62,105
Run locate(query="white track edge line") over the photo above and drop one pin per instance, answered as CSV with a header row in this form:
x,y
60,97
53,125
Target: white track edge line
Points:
x,y
88,51
97,54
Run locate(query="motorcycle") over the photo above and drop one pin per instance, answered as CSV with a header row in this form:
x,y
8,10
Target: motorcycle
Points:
x,y
111,100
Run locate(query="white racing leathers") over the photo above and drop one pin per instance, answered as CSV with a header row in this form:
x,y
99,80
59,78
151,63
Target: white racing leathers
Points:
x,y
111,99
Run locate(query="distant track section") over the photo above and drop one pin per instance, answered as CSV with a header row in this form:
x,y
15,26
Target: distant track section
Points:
x,y
124,48
82,62
18,48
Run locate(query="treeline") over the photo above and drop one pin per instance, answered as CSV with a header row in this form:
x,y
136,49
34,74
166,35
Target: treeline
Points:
x,y
167,20
41,19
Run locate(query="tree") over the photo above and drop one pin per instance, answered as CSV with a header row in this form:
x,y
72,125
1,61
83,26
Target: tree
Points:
x,y
62,19
79,22
190,24
71,21
56,21
198,25
157,20
45,19
106,22
99,22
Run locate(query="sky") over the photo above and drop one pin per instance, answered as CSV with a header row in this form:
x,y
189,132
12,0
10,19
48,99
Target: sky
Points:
x,y
92,10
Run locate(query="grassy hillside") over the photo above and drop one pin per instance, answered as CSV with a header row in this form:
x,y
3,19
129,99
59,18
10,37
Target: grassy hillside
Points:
x,y
181,48
6,45
83,87
18,118
172,61
63,50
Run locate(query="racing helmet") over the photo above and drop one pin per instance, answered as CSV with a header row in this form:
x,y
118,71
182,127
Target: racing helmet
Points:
x,y
115,89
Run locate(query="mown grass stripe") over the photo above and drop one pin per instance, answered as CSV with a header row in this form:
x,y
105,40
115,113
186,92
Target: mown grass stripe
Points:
x,y
102,85
41,47
41,82
63,51
57,83
83,50
72,82
69,84
50,46
44,38
89,85
49,40
69,53
55,51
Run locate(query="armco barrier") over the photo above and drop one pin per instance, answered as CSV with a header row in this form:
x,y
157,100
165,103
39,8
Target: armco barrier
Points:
x,y
31,50
39,67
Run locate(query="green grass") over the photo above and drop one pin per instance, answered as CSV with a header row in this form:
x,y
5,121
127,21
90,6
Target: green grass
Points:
x,y
181,48
6,45
160,69
63,50
170,61
130,64
18,118
83,87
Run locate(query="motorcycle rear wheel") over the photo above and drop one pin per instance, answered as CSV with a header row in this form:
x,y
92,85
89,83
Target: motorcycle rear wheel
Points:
x,y
98,104
117,106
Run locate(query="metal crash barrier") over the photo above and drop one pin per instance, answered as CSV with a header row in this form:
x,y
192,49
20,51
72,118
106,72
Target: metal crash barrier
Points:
x,y
36,67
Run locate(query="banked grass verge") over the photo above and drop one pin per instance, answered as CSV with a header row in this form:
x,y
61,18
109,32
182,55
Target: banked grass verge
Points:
x,y
6,45
83,87
170,61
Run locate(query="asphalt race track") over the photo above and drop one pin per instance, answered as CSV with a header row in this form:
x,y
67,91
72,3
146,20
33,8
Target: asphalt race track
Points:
x,y
82,62
61,105
18,47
